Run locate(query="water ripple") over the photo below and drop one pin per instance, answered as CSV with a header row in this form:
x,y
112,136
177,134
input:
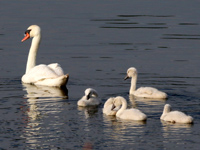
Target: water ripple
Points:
x,y
138,27
162,16
182,36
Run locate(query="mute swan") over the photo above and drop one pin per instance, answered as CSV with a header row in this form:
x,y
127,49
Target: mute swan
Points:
x,y
48,75
107,109
90,98
145,92
129,114
175,116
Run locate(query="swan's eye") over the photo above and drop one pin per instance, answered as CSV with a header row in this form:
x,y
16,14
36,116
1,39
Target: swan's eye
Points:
x,y
27,31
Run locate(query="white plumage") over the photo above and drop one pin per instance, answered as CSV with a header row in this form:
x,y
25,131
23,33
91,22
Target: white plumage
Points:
x,y
129,114
145,92
107,109
90,98
175,116
48,75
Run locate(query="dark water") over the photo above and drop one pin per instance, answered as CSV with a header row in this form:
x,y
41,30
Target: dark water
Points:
x,y
96,42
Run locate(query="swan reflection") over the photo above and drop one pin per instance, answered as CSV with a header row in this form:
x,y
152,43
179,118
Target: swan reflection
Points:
x,y
116,122
88,111
85,113
175,132
35,92
43,104
136,100
121,130
144,104
175,127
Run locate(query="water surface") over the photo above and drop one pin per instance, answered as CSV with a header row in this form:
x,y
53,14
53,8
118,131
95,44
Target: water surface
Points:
x,y
96,42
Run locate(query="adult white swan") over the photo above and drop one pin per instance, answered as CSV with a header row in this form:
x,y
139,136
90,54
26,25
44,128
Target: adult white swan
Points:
x,y
47,75
175,116
129,114
90,98
108,106
145,92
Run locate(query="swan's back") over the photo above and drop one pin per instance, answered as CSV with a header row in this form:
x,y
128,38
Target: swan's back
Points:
x,y
46,75
132,114
175,116
149,92
90,102
56,68
39,72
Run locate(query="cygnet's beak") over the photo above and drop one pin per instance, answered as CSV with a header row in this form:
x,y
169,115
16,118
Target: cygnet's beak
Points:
x,y
126,77
88,97
113,107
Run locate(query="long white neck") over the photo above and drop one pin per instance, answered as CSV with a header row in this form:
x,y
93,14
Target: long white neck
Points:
x,y
124,106
31,62
133,84
167,109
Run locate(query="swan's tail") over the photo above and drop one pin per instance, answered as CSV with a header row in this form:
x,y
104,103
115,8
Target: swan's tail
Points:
x,y
143,117
64,80
189,119
67,77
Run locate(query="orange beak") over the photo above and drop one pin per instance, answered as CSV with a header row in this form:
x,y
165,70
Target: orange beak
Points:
x,y
27,36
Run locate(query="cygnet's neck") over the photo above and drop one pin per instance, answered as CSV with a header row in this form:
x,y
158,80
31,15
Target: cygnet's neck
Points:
x,y
167,109
133,84
124,106
31,62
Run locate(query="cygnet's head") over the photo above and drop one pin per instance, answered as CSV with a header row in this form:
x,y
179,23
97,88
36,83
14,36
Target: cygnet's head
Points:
x,y
167,108
109,101
89,92
117,102
131,72
32,31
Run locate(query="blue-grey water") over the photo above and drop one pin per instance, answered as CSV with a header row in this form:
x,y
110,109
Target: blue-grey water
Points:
x,y
96,41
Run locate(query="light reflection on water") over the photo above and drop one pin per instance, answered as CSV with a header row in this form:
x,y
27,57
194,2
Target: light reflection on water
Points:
x,y
45,92
87,111
42,102
175,133
144,101
122,130
178,128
